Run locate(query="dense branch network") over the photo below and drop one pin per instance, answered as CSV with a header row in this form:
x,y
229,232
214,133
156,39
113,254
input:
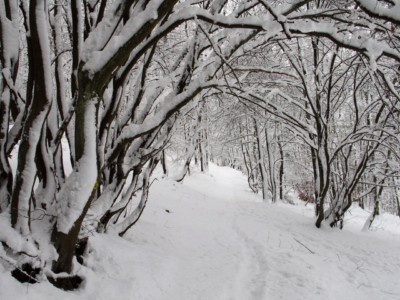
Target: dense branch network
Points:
x,y
93,92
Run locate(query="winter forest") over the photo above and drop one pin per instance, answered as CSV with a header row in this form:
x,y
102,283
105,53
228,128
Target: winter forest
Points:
x,y
113,111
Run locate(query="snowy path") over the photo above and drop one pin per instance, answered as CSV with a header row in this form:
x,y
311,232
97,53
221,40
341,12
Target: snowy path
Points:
x,y
210,238
223,243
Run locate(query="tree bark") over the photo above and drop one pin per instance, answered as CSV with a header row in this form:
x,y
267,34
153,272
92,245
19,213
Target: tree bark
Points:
x,y
20,202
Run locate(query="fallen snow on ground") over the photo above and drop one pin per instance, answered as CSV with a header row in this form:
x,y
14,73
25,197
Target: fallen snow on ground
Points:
x,y
211,238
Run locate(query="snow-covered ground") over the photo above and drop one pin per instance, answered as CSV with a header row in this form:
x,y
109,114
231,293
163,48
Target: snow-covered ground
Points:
x,y
210,238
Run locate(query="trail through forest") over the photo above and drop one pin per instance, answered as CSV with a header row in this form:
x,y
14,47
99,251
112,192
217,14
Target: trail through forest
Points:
x,y
211,238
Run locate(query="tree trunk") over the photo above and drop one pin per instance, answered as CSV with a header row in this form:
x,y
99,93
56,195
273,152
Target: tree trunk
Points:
x,y
281,169
9,59
164,162
20,202
271,168
261,163
80,187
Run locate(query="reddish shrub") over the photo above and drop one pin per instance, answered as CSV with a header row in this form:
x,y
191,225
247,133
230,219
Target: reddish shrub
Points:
x,y
305,191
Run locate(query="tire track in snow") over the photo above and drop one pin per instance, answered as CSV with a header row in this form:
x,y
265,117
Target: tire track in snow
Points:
x,y
251,278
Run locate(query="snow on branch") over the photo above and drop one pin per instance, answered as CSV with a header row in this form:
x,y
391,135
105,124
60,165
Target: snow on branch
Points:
x,y
376,9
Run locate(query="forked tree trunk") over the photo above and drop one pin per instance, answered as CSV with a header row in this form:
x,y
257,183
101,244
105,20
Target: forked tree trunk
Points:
x,y
81,186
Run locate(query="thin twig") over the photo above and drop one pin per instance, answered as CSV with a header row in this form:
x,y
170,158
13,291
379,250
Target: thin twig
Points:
x,y
312,252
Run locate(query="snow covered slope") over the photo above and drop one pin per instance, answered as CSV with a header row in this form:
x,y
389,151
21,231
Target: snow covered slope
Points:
x,y
210,238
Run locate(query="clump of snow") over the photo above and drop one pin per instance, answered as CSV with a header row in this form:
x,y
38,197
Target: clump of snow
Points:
x,y
211,238
13,239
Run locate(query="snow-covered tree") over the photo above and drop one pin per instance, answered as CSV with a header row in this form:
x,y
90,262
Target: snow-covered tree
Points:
x,y
91,99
